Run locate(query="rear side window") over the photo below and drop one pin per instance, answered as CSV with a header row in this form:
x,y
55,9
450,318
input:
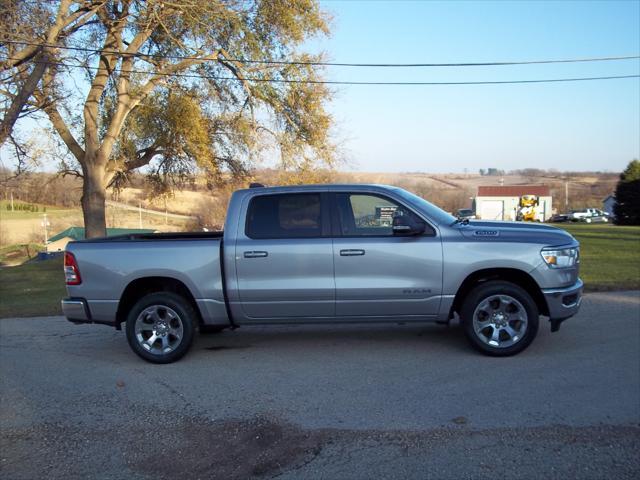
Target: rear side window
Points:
x,y
285,216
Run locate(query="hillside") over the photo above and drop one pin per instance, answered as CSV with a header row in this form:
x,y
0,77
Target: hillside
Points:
x,y
26,226
208,208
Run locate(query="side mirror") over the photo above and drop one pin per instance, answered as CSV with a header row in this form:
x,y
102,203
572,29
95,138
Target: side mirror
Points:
x,y
407,225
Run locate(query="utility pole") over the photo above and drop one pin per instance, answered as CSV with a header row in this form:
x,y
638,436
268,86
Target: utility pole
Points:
x,y
12,201
45,224
566,195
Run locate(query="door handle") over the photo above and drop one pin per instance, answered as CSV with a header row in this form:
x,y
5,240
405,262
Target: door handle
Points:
x,y
351,252
255,254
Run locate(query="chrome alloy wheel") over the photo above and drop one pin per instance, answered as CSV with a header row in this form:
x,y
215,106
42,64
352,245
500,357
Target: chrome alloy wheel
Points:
x,y
159,329
500,321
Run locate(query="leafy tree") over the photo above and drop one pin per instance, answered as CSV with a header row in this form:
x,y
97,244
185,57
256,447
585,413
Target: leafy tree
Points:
x,y
171,86
627,207
26,62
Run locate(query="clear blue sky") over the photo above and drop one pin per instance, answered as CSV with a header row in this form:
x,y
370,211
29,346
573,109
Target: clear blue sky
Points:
x,y
570,126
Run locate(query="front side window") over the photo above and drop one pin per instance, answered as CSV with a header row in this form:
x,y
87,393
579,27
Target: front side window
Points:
x,y
285,216
368,215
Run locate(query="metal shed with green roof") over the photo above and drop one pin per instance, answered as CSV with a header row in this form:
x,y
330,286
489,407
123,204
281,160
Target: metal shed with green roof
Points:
x,y
58,242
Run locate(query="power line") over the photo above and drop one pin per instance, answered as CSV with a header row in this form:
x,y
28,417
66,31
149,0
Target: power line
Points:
x,y
344,82
335,64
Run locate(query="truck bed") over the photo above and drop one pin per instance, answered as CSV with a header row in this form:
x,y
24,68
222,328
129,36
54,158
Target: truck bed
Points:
x,y
111,267
157,236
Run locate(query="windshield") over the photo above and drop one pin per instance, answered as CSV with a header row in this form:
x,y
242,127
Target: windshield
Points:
x,y
434,213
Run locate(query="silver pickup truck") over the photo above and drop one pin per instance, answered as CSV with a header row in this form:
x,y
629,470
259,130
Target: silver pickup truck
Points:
x,y
327,254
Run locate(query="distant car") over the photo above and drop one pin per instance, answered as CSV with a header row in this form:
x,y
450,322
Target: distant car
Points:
x,y
595,219
466,214
588,214
559,218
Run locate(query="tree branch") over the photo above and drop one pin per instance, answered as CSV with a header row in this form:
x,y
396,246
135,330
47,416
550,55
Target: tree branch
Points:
x,y
234,68
72,172
123,91
60,126
18,102
143,159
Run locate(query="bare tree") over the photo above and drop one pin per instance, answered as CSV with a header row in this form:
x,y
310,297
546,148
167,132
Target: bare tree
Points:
x,y
171,86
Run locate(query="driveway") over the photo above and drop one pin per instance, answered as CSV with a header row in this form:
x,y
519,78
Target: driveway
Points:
x,y
324,402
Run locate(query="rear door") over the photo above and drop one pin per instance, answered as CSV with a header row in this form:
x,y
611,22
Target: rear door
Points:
x,y
284,258
379,274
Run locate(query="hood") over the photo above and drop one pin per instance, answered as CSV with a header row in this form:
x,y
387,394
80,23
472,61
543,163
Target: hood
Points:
x,y
525,232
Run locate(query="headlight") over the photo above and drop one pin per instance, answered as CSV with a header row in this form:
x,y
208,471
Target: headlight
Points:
x,y
561,257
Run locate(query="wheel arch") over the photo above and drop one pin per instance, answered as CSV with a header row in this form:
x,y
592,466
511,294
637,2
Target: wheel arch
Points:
x,y
513,275
140,287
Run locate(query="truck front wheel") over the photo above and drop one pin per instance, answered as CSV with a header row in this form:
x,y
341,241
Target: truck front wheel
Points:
x,y
499,318
160,327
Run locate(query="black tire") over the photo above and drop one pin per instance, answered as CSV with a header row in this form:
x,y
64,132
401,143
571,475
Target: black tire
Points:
x,y
166,306
506,319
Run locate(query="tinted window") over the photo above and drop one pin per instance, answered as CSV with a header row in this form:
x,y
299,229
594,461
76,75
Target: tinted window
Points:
x,y
368,215
284,216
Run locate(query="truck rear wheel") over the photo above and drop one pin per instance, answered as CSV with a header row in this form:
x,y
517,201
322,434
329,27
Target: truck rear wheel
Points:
x,y
160,327
499,318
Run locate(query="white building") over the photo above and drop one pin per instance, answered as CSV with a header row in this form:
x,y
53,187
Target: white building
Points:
x,y
501,202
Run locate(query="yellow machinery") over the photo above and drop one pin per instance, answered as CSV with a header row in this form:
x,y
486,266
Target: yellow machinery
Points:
x,y
527,208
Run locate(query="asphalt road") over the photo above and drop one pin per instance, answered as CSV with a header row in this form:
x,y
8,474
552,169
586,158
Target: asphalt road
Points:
x,y
324,402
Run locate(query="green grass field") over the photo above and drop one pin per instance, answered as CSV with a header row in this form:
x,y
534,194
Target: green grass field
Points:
x,y
19,253
610,256
610,261
51,211
31,289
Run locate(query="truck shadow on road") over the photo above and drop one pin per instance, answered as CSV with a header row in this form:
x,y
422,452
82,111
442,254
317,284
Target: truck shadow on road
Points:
x,y
351,337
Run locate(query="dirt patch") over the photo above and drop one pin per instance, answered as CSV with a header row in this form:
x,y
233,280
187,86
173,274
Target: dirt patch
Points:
x,y
159,446
230,449
460,420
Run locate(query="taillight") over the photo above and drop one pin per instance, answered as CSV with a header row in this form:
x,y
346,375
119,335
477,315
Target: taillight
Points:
x,y
71,270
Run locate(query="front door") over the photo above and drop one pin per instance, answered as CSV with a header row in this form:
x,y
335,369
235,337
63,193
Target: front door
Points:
x,y
284,258
379,274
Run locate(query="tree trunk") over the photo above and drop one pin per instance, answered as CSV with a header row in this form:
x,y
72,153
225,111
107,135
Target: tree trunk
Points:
x,y
93,201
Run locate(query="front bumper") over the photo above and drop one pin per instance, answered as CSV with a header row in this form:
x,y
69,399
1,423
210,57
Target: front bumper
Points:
x,y
563,303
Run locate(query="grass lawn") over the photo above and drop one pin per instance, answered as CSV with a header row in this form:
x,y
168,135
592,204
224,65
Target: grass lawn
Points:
x,y
610,255
31,289
51,211
18,254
